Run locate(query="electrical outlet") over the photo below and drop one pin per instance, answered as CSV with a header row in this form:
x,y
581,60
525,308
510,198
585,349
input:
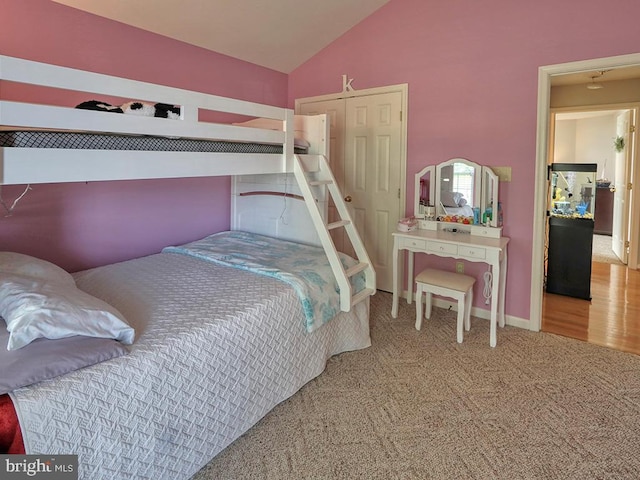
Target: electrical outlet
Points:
x,y
460,267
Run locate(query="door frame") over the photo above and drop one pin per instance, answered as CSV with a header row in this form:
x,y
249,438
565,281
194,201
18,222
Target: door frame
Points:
x,y
540,174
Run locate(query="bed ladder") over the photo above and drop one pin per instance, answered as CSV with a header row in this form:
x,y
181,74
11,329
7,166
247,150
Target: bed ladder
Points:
x,y
323,178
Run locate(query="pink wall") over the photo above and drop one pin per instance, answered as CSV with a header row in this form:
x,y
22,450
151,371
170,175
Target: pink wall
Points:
x,y
84,225
472,72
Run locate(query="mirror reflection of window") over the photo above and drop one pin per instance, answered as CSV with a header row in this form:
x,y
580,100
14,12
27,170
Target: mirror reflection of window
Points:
x,y
463,181
456,184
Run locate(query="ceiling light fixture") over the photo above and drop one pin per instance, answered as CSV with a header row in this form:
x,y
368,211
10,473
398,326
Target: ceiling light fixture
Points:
x,y
593,85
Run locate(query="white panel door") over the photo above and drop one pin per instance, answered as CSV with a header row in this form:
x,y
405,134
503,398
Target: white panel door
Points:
x,y
336,113
366,158
620,226
372,172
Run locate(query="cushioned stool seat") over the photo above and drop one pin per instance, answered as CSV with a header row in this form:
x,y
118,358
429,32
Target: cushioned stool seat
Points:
x,y
448,284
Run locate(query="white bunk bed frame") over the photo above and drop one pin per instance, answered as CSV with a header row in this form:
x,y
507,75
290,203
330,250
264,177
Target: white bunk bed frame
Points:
x,y
316,183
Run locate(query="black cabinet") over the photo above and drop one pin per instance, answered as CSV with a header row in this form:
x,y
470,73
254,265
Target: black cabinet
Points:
x,y
571,224
569,256
604,211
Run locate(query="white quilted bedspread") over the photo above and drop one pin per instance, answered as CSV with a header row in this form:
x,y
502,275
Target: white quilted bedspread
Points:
x,y
216,348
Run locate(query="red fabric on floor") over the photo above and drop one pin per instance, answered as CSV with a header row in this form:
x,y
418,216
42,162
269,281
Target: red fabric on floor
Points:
x,y
10,433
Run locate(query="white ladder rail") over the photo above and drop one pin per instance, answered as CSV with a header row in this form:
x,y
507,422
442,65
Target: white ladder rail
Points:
x,y
327,180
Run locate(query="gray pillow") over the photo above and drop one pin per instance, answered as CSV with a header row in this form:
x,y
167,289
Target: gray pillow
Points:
x,y
43,359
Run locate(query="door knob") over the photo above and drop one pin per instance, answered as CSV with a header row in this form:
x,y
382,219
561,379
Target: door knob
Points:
x,y
347,199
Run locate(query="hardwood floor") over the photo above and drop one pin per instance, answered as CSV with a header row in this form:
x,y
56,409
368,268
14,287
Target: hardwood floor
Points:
x,y
611,318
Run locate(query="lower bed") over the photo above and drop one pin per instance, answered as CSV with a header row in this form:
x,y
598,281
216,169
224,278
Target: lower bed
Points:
x,y
216,348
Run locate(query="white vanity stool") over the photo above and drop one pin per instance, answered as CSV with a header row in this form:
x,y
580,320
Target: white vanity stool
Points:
x,y
448,284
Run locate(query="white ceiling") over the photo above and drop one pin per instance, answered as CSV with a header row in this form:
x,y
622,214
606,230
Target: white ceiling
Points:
x,y
277,34
587,114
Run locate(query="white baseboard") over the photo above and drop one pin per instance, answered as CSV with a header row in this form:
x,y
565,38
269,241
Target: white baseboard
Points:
x,y
477,312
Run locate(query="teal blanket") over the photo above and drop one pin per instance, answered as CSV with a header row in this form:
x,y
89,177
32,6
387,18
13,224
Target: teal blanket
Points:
x,y
304,267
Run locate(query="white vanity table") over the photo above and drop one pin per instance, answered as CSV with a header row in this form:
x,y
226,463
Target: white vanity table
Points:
x,y
474,243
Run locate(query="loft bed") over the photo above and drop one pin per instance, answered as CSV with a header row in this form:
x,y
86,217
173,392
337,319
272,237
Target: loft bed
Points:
x,y
49,165
189,384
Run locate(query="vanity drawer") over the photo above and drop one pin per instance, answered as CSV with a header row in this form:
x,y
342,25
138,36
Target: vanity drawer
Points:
x,y
472,252
413,243
441,247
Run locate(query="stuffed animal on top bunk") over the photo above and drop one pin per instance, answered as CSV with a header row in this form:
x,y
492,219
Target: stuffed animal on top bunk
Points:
x,y
162,110
100,106
145,109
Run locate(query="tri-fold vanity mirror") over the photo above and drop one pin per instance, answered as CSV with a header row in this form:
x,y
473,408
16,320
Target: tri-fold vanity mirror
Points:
x,y
459,192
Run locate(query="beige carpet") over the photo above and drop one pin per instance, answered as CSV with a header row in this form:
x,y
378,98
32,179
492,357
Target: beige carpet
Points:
x,y
602,251
417,405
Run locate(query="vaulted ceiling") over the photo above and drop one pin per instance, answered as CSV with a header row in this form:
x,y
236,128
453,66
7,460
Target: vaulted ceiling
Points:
x,y
277,34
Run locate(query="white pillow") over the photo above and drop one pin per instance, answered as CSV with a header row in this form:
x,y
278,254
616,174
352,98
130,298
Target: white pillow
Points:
x,y
271,124
35,309
451,199
24,265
